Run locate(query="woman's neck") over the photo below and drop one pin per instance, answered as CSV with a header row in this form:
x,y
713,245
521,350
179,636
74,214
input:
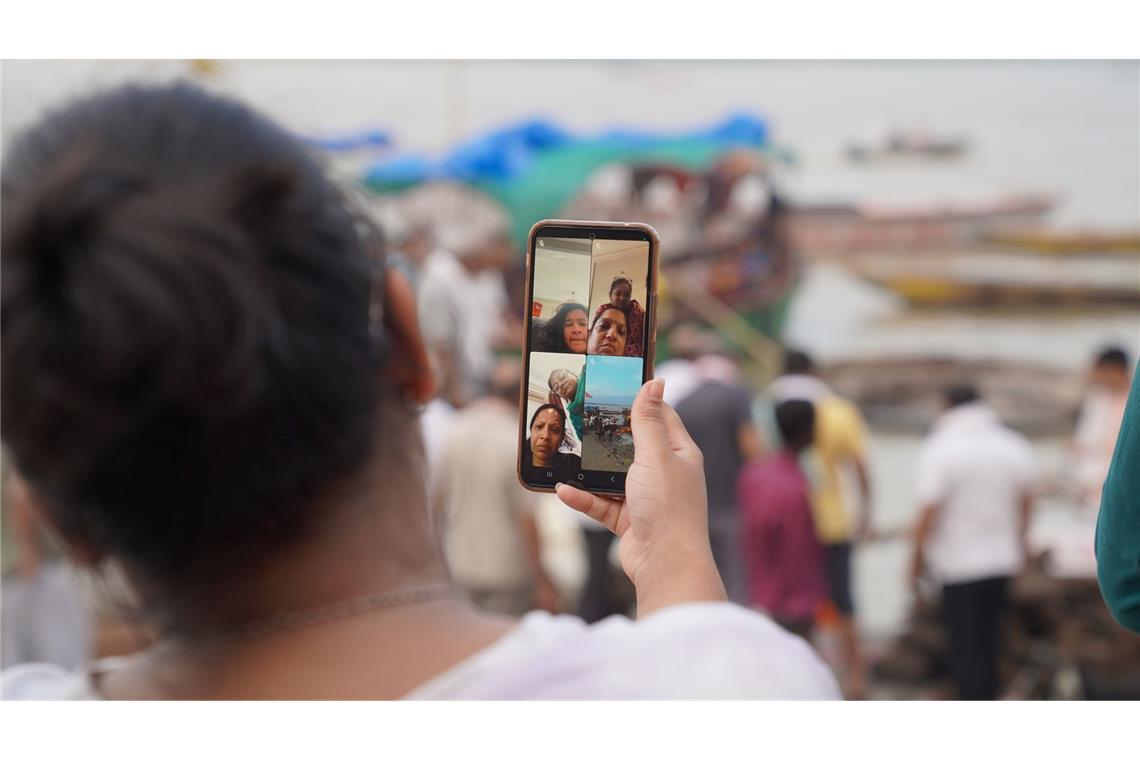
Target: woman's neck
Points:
x,y
372,535
379,542
382,655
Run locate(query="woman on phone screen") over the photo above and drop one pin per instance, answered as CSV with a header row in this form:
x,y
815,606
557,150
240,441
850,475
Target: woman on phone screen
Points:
x,y
621,297
608,334
564,333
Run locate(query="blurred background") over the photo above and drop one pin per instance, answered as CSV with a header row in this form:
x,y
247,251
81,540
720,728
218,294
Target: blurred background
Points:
x,y
908,225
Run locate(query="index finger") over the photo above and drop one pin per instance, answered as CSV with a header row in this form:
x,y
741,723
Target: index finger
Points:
x,y
677,433
650,435
606,511
657,428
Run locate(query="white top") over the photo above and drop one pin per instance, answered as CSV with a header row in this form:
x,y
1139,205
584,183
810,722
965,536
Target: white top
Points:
x,y
571,443
482,501
483,308
798,387
976,470
446,297
689,651
443,285
435,421
680,376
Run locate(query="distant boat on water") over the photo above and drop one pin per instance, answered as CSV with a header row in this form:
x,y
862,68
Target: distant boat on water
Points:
x,y
907,145
932,292
997,279
1052,241
904,395
836,228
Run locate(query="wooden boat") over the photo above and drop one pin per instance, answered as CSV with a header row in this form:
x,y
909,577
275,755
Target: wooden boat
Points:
x,y
732,269
912,146
1048,241
903,395
996,279
830,228
932,292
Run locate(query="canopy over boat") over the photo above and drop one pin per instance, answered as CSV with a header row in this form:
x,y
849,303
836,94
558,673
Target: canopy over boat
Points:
x,y
534,168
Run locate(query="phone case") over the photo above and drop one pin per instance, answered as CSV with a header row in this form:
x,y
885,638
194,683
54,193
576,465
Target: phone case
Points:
x,y
650,312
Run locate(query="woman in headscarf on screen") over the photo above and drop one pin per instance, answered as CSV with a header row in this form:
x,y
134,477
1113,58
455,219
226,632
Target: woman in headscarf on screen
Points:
x,y
609,334
621,297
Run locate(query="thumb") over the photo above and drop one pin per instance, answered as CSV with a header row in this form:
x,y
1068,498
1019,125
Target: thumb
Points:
x,y
650,436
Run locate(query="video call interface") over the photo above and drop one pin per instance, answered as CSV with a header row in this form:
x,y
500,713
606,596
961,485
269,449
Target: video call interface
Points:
x,y
587,341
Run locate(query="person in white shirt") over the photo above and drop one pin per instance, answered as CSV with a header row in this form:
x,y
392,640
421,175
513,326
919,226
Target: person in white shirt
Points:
x,y
490,534
975,491
445,287
462,302
239,381
485,263
686,344
1099,424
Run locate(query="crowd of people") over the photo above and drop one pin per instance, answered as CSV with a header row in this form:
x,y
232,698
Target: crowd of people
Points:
x,y
607,425
790,494
759,452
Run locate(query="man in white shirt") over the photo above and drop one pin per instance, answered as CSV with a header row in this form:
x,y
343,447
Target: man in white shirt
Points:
x,y
679,371
974,488
490,534
444,289
462,306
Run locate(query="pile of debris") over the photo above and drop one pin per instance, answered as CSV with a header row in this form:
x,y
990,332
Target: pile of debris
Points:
x,y
1059,641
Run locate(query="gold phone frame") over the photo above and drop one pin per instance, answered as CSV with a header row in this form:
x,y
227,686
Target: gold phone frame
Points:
x,y
650,325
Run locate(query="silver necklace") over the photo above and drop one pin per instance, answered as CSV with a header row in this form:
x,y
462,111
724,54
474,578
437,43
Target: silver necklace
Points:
x,y
286,620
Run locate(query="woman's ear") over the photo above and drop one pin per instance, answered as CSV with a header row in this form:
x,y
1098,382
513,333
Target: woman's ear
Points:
x,y
409,366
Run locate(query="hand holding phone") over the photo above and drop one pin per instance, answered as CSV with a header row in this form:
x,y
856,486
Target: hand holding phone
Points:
x,y
663,520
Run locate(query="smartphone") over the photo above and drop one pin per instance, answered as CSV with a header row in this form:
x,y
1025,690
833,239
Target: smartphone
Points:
x,y
591,290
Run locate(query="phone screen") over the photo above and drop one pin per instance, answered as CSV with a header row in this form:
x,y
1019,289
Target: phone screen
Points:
x,y
589,347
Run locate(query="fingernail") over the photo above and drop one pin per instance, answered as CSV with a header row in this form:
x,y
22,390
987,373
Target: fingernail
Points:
x,y
657,388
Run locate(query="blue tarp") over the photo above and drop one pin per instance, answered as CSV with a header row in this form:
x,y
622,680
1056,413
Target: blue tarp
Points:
x,y
355,141
506,154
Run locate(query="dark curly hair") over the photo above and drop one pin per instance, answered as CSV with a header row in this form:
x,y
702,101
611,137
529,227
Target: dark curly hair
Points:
x,y
188,355
549,336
